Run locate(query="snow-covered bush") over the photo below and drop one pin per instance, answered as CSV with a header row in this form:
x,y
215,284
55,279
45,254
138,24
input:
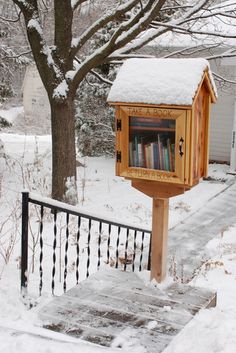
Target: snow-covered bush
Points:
x,y
95,126
94,118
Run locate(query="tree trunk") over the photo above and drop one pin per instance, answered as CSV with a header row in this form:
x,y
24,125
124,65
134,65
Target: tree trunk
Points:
x,y
63,151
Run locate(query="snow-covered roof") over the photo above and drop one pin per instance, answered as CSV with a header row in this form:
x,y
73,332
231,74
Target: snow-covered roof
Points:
x,y
159,81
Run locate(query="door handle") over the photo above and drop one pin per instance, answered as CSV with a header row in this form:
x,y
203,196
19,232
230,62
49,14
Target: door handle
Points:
x,y
181,142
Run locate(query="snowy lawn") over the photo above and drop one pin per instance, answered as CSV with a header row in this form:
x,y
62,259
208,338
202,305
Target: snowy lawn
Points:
x,y
26,165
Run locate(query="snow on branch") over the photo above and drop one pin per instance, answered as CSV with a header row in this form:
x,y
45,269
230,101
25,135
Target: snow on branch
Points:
x,y
77,64
135,28
25,6
76,3
125,32
101,78
34,24
163,28
77,43
61,91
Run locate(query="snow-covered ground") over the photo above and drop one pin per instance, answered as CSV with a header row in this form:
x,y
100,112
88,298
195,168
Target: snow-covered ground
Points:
x,y
26,165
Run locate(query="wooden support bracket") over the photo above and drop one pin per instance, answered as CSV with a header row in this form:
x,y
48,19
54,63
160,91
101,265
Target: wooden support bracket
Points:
x,y
156,189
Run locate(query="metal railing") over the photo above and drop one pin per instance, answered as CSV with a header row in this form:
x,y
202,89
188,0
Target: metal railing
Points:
x,y
85,239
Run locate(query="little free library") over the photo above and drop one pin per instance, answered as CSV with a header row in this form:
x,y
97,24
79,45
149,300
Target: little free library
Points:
x,y
162,134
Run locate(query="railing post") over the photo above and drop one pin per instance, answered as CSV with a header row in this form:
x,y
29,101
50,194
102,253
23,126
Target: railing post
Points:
x,y
149,253
24,241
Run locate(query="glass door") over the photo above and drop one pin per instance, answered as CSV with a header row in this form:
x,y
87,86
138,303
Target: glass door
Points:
x,y
152,143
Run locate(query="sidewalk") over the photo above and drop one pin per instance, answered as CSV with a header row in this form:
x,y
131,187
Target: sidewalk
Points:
x,y
188,239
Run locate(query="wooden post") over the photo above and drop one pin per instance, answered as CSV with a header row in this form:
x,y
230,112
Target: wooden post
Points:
x,y
159,238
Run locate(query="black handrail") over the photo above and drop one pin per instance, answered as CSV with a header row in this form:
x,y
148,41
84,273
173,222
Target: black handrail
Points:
x,y
24,240
56,207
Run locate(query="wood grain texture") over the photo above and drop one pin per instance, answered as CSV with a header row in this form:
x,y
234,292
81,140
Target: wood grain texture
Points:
x,y
124,170
158,190
160,216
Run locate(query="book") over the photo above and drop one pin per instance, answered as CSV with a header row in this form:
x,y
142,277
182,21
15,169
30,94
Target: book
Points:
x,y
153,151
156,156
160,152
171,169
136,161
131,157
140,155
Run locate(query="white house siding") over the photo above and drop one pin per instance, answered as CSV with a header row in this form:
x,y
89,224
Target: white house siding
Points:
x,y
222,115
221,128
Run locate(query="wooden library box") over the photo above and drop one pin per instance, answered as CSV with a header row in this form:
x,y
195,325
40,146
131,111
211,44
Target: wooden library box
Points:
x,y
162,128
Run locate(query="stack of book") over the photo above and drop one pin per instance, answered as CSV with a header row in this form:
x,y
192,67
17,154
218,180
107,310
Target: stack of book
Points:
x,y
158,154
140,123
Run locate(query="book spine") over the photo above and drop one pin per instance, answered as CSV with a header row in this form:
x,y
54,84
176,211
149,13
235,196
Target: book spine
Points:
x,y
140,155
172,147
152,155
131,157
136,161
149,161
156,157
144,156
160,152
170,156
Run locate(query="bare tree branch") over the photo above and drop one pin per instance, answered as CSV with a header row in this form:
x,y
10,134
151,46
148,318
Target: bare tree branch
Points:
x,y
222,78
43,55
192,31
19,55
222,55
63,17
192,50
123,57
96,74
11,19
210,14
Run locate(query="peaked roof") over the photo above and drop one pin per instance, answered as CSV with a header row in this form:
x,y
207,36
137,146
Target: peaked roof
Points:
x,y
161,81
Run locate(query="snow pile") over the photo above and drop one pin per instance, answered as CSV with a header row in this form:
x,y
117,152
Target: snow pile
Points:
x,y
71,191
159,81
214,330
11,114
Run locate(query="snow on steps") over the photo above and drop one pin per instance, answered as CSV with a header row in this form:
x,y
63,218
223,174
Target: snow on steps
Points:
x,y
112,308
